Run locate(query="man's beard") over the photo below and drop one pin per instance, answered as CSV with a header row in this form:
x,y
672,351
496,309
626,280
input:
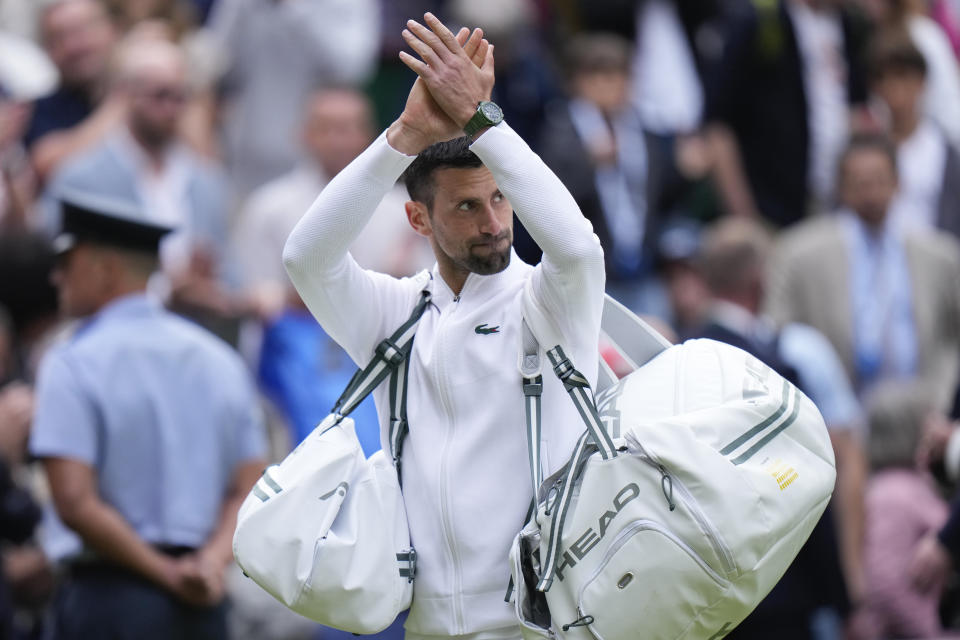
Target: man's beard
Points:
x,y
152,137
492,262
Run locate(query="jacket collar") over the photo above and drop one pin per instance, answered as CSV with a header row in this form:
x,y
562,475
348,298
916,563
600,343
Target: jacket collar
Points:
x,y
126,307
477,287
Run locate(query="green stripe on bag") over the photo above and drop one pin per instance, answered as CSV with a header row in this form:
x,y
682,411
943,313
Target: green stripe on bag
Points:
x,y
730,448
770,436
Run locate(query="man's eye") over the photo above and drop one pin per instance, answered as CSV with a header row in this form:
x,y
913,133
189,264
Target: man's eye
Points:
x,y
498,197
464,206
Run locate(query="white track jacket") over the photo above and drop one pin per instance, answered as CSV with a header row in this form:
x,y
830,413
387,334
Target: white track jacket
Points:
x,y
466,478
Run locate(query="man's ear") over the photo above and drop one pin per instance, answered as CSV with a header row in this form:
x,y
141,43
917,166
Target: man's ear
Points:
x,y
110,268
418,217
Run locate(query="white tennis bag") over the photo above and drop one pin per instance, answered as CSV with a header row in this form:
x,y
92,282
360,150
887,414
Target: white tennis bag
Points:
x,y
698,479
325,531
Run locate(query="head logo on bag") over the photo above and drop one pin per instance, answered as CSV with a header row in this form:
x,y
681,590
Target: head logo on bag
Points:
x,y
590,538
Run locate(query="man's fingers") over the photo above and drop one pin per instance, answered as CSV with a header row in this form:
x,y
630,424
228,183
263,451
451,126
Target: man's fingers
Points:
x,y
417,66
428,37
462,36
442,32
480,54
471,46
488,60
422,49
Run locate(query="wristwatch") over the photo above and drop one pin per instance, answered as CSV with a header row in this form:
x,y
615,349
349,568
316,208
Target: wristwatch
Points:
x,y
488,114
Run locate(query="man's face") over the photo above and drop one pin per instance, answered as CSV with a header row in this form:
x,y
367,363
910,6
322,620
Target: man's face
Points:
x,y
901,90
78,37
687,292
608,90
79,277
157,101
470,224
878,11
338,128
868,184
14,117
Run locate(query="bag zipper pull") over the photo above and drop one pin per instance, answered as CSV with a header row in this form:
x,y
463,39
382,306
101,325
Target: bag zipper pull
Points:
x,y
666,485
582,621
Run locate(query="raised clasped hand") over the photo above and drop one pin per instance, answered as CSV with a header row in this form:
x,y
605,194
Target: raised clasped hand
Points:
x,y
454,74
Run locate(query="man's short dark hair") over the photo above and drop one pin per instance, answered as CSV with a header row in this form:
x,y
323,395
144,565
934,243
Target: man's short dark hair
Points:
x,y
867,142
733,254
598,52
451,154
895,54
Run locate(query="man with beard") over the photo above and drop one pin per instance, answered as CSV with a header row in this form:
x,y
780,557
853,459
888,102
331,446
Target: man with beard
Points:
x,y
144,162
465,466
80,39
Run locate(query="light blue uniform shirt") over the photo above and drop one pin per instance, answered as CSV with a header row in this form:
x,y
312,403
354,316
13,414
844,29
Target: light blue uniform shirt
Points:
x,y
163,411
822,376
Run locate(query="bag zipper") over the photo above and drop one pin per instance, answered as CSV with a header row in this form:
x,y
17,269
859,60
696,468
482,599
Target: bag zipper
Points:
x,y
623,537
716,540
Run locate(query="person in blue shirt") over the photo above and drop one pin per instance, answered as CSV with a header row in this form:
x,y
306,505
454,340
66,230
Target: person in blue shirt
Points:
x,y
150,436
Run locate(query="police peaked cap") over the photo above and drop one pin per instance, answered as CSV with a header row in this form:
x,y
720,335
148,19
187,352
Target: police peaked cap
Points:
x,y
105,221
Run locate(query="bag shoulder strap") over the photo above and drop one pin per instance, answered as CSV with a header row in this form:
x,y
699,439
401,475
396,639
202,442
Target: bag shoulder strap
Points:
x,y
578,388
399,427
388,356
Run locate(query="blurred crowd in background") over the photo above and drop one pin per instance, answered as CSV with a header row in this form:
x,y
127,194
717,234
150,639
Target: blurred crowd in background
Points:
x,y
783,175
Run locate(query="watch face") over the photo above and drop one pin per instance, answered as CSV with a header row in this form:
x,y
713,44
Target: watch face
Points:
x,y
492,112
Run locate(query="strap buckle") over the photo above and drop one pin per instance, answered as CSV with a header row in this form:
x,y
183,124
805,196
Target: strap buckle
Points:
x,y
390,353
533,388
564,369
410,557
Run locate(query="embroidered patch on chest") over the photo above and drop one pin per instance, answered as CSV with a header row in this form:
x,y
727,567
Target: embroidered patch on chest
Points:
x,y
484,330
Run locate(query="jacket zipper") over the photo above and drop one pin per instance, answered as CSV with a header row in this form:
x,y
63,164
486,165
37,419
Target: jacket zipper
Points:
x,y
716,541
445,517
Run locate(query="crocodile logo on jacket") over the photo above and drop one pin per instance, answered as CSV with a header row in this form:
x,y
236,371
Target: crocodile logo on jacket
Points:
x,y
483,330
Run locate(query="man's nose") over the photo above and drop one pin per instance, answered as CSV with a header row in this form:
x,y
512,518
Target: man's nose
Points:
x,y
490,223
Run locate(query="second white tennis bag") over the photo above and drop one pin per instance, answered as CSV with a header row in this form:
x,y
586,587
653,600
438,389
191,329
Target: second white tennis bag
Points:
x,y
699,477
325,531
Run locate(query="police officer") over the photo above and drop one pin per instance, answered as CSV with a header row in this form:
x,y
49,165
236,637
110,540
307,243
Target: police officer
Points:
x,y
150,436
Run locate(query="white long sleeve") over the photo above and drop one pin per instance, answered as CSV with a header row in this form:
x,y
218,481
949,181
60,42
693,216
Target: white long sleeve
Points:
x,y
356,307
